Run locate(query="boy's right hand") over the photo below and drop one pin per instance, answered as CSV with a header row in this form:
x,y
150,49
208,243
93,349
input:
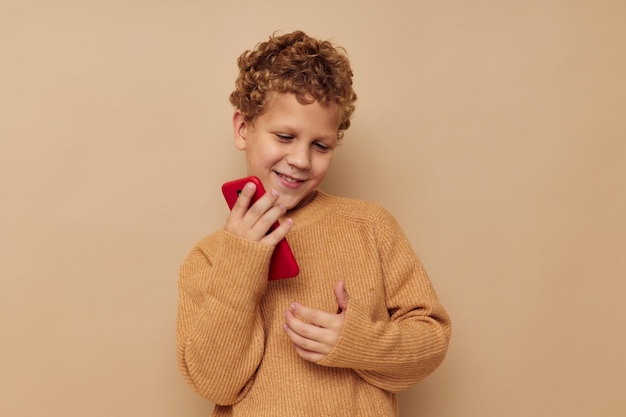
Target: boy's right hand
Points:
x,y
254,222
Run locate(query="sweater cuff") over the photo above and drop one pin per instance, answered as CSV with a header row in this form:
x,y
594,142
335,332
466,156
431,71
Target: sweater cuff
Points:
x,y
240,268
354,349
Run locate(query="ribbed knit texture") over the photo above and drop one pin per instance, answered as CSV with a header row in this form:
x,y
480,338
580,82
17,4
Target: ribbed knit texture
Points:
x,y
232,349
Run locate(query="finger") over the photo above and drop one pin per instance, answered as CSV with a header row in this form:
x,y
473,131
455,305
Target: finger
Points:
x,y
306,348
263,204
308,355
314,316
279,233
263,217
237,222
341,295
243,200
308,331
310,345
255,222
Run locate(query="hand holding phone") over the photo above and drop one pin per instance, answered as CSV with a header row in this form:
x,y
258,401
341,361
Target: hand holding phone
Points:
x,y
283,264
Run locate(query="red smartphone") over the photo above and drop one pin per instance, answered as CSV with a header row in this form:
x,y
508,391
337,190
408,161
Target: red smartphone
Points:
x,y
283,264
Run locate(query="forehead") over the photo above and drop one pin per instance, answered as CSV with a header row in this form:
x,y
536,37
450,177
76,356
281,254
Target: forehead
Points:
x,y
286,110
290,103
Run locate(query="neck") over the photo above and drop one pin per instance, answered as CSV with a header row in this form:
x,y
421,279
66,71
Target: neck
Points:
x,y
306,200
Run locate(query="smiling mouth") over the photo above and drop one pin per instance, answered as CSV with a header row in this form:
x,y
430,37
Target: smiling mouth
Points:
x,y
289,179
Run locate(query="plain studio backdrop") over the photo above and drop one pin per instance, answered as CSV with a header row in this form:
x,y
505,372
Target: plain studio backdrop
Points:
x,y
495,131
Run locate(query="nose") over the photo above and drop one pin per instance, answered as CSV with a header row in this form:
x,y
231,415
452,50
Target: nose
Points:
x,y
299,157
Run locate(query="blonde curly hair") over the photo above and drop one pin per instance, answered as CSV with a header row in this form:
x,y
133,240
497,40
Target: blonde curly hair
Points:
x,y
294,63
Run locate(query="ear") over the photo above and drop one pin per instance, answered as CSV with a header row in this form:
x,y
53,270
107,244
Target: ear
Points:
x,y
240,128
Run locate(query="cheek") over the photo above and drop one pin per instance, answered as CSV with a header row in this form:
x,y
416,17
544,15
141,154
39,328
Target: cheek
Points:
x,y
261,156
322,164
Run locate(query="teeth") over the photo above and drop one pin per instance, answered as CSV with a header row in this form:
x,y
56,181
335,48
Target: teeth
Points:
x,y
288,179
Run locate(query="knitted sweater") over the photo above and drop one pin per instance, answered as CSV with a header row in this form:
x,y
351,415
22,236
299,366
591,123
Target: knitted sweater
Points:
x,y
231,347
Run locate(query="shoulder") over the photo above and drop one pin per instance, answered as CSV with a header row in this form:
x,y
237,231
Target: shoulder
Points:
x,y
359,211
204,249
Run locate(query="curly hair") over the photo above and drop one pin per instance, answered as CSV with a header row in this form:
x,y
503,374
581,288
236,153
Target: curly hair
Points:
x,y
294,63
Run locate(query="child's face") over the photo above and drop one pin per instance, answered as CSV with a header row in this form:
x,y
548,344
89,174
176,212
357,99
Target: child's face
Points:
x,y
289,146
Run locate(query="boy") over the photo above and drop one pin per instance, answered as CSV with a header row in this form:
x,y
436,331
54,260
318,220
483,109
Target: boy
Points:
x,y
361,321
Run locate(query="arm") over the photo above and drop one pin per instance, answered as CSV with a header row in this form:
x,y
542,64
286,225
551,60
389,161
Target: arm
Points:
x,y
219,330
219,335
398,350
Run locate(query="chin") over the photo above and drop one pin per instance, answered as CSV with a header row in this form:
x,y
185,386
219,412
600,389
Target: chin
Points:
x,y
301,201
292,204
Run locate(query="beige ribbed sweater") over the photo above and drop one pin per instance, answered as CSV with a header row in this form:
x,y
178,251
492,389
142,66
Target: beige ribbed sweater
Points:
x,y
232,349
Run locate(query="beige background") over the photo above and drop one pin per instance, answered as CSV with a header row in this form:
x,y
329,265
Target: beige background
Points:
x,y
494,130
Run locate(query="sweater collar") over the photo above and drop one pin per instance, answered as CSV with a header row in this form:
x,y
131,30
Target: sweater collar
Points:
x,y
316,209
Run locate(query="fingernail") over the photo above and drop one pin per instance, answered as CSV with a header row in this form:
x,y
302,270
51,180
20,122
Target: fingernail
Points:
x,y
274,193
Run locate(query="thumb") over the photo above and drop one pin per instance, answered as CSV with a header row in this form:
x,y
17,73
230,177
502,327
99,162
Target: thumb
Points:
x,y
341,295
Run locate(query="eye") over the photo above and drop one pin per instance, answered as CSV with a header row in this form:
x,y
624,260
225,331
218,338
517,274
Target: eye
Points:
x,y
283,137
321,147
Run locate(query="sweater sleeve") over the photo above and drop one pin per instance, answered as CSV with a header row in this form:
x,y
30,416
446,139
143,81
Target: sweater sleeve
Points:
x,y
219,333
396,351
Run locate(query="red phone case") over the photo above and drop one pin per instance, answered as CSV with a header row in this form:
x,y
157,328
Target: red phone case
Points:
x,y
283,264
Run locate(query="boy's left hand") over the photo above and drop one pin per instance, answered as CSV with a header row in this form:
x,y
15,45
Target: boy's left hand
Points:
x,y
317,333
